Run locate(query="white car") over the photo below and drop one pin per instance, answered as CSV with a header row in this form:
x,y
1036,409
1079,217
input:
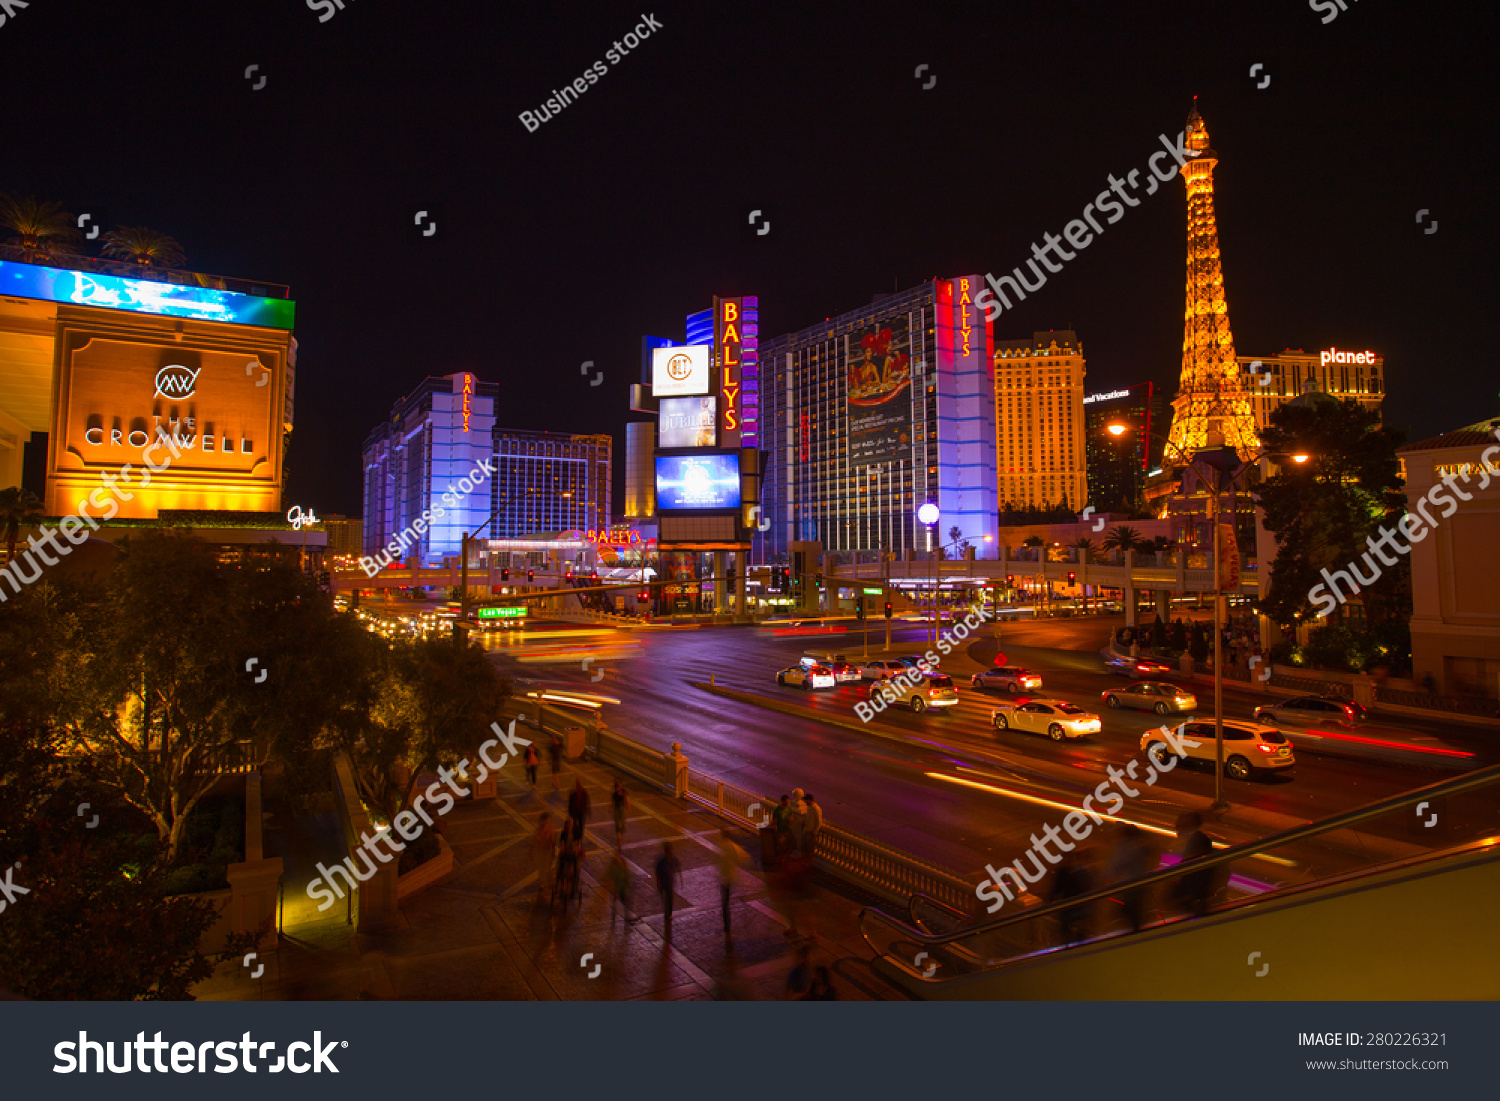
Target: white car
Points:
x,y
806,676
1058,719
846,673
1012,678
1249,748
884,670
933,690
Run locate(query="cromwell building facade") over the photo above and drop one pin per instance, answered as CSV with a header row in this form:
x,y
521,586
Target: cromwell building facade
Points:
x,y
95,367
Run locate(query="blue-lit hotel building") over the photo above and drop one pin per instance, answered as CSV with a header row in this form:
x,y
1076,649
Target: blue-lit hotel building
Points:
x,y
871,414
441,434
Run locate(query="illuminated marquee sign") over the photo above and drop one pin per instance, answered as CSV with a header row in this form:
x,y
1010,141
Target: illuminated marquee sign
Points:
x,y
1111,396
966,332
680,372
1333,355
468,395
112,292
729,343
298,519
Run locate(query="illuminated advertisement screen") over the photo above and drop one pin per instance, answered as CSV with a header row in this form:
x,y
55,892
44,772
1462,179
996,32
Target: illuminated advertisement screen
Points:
x,y
879,393
697,481
680,371
687,422
113,292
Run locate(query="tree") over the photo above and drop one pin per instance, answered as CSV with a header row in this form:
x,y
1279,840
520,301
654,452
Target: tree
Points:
x,y
1322,511
1086,548
18,507
1198,644
1161,544
171,696
143,246
43,231
1122,537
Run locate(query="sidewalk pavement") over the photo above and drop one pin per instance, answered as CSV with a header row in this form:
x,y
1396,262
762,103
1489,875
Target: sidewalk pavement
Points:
x,y
484,933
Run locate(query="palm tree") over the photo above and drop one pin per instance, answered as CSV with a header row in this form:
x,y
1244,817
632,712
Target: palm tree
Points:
x,y
1086,548
43,230
1122,537
17,506
143,246
1161,544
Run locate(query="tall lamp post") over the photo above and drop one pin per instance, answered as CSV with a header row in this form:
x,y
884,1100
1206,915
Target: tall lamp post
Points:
x,y
1222,479
928,514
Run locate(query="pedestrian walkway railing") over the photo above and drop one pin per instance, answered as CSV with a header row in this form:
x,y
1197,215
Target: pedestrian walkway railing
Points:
x,y
612,748
988,944
1459,705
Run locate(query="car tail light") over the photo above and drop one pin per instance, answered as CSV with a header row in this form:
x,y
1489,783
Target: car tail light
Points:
x,y
1349,712
1265,748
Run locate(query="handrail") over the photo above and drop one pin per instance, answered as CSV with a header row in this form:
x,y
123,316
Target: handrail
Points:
x,y
1457,786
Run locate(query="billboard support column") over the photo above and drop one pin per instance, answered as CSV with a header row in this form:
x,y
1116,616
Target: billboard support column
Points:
x,y
720,582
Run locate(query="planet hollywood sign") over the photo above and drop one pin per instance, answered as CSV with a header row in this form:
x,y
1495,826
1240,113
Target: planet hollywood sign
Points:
x,y
1333,355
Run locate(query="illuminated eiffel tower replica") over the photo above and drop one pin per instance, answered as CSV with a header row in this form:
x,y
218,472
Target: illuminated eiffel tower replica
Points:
x,y
1212,406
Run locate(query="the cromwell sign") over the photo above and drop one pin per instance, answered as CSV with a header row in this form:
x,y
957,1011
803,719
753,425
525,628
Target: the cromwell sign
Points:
x,y
176,381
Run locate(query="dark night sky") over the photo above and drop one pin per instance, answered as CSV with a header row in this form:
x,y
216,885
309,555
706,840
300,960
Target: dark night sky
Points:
x,y
628,210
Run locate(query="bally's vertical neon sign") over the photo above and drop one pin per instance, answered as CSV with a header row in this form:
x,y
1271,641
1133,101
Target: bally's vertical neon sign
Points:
x,y
967,324
729,343
468,396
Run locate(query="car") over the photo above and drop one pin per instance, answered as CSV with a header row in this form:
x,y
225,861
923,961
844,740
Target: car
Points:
x,y
1058,719
1139,667
807,676
1012,678
1249,748
884,670
931,690
1310,712
846,673
1151,695
918,662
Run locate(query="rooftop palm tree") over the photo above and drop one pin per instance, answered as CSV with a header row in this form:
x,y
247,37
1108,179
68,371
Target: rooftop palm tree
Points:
x,y
17,506
1122,537
42,230
1086,548
143,246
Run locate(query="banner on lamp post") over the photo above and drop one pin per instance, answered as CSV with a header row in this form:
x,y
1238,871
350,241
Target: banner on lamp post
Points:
x,y
1228,557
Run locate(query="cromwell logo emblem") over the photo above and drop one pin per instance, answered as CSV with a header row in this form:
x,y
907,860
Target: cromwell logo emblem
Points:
x,y
176,381
680,367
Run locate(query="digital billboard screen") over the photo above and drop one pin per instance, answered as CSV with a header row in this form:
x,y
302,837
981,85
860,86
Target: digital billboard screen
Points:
x,y
697,481
879,393
687,422
112,292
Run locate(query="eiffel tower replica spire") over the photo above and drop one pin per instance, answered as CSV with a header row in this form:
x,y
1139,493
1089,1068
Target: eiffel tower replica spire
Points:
x,y
1212,407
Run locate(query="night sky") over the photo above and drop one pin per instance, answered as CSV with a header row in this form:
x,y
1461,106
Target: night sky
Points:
x,y
629,209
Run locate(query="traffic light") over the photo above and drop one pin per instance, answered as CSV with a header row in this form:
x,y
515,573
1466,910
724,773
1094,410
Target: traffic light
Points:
x,y
889,611
530,576
504,574
859,607
1010,581
1072,577
594,576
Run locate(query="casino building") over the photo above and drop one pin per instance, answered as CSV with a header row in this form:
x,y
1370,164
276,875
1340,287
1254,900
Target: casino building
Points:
x,y
1039,417
98,363
869,415
1275,380
421,461
1122,432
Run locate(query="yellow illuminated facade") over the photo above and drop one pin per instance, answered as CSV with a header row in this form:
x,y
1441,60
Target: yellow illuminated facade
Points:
x,y
1213,402
99,385
1357,376
1040,454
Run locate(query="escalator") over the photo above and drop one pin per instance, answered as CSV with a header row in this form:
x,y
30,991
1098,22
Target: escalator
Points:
x,y
1422,926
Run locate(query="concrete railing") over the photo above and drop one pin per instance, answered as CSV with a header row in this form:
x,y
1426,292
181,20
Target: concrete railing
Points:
x,y
667,771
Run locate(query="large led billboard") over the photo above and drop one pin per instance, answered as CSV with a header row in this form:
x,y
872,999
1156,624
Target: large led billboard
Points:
x,y
113,292
680,372
687,422
879,393
697,481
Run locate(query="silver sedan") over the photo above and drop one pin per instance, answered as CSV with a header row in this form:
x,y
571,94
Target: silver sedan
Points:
x,y
1151,695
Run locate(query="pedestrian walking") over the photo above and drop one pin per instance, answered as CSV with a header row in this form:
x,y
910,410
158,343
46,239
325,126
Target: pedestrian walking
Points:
x,y
668,875
567,866
554,758
1194,888
731,858
812,822
1131,859
532,763
781,822
799,978
618,877
798,815
543,849
621,803
578,805
822,989
1073,877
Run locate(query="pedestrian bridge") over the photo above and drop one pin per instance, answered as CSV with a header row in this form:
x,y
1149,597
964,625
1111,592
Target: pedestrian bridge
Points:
x,y
1416,928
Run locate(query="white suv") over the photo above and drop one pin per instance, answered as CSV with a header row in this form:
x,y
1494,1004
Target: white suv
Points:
x,y
1249,748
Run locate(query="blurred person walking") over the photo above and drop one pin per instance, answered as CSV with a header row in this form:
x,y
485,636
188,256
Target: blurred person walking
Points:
x,y
812,822
822,989
781,821
1132,858
554,758
1073,877
621,804
1194,888
578,805
797,815
799,978
532,763
619,885
668,875
731,859
544,851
